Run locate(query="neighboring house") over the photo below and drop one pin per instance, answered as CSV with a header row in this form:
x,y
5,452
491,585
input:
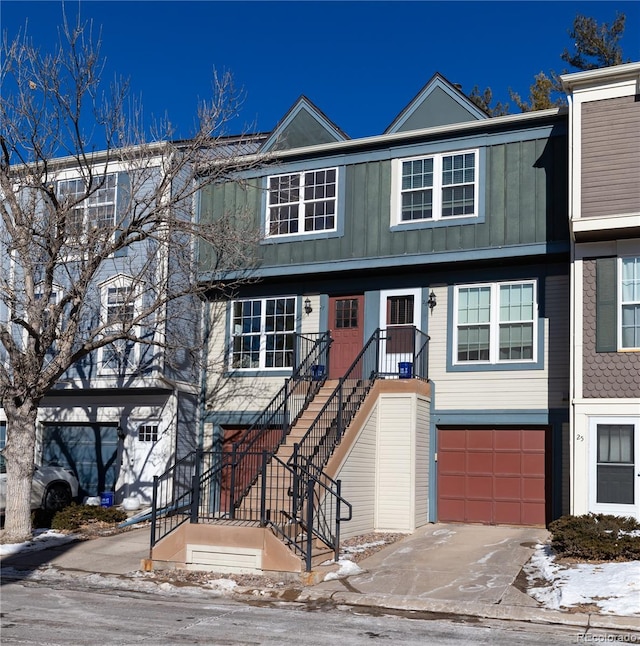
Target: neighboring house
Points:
x,y
121,415
604,140
449,226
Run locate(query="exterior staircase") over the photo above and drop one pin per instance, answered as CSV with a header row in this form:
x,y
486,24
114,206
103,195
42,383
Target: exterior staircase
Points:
x,y
241,509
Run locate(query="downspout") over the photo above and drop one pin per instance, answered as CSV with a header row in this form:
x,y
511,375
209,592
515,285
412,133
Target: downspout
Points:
x,y
572,315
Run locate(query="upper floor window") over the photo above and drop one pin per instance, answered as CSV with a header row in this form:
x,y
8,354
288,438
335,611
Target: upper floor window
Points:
x,y
96,212
630,303
495,323
436,187
262,333
300,203
119,307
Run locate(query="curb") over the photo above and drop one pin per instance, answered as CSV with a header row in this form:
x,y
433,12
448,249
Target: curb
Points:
x,y
487,611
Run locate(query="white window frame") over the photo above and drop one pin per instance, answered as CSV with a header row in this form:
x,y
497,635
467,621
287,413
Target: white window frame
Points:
x,y
634,302
119,282
301,203
262,334
495,324
93,202
437,188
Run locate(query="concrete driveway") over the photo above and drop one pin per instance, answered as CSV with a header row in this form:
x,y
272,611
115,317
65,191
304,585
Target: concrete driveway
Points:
x,y
449,562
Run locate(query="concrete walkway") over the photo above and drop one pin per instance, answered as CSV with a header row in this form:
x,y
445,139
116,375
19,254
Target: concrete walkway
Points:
x,y
449,569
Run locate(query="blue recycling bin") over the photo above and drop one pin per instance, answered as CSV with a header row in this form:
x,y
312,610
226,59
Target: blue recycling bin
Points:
x,y
106,499
405,370
317,372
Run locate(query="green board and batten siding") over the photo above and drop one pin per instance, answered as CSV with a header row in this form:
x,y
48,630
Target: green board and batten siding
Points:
x,y
520,177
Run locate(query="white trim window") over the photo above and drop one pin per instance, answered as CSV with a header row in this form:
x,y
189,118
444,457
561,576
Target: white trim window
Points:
x,y
96,212
119,312
300,203
262,333
436,187
629,303
495,323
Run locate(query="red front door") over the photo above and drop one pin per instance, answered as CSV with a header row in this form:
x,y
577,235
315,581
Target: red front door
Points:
x,y
346,314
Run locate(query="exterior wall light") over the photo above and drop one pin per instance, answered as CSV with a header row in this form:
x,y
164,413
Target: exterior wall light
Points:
x,y
432,301
307,305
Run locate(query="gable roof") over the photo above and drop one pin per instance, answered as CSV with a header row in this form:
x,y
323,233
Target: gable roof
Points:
x,y
439,103
303,125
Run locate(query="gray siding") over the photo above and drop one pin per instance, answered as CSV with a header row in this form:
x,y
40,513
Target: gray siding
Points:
x,y
614,375
440,110
610,157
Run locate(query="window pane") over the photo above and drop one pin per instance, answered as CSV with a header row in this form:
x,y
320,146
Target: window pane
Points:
x,y
400,310
458,200
516,302
473,343
516,341
346,313
615,467
417,205
417,173
474,305
630,280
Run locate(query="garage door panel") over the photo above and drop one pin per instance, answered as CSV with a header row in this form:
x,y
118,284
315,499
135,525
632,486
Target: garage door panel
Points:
x,y
492,476
508,464
454,462
479,487
479,463
507,440
477,510
507,488
452,441
451,509
479,440
533,489
453,486
533,464
533,440
507,512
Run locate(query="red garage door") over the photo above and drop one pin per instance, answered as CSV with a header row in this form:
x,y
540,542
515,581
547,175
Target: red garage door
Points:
x,y
492,476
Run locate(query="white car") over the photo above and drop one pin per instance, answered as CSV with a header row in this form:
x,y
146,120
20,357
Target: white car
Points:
x,y
53,488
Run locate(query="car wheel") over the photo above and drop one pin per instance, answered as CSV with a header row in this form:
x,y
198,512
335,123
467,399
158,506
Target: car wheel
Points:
x,y
58,497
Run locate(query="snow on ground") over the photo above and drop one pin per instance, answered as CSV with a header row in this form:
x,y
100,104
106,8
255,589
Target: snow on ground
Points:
x,y
42,539
613,587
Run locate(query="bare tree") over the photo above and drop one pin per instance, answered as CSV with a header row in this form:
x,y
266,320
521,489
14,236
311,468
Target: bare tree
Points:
x,y
58,243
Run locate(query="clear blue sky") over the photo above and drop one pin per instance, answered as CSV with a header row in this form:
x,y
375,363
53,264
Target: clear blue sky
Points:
x,y
359,62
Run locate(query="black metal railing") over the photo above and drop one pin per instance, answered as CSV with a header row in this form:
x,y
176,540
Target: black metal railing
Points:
x,y
396,352
296,499
274,423
300,507
174,498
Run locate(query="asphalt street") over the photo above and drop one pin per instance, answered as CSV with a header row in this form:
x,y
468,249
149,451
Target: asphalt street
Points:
x,y
71,614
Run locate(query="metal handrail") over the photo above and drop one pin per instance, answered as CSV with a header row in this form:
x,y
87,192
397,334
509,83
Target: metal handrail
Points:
x,y
174,490
406,345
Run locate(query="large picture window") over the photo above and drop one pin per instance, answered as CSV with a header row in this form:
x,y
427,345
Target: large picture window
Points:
x,y
630,303
262,333
495,323
437,187
300,203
